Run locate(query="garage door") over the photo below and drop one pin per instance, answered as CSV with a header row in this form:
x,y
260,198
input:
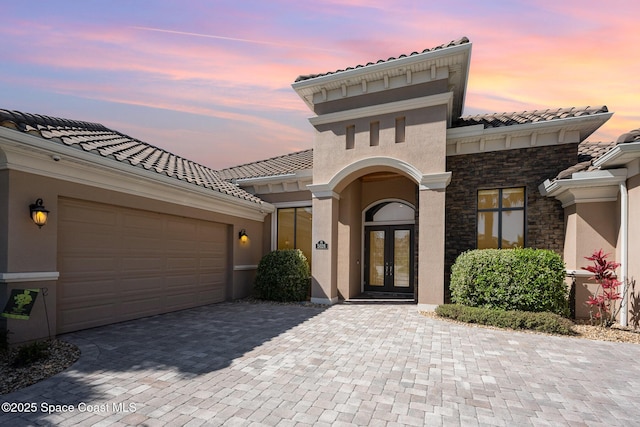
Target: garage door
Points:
x,y
119,264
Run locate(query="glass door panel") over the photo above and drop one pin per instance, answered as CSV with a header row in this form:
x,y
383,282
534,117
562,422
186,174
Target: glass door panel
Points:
x,y
376,258
401,258
389,258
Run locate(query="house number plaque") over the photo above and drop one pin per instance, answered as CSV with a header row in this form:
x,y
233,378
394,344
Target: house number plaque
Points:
x,y
322,245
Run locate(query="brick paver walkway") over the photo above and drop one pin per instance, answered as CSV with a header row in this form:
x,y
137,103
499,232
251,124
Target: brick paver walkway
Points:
x,y
243,364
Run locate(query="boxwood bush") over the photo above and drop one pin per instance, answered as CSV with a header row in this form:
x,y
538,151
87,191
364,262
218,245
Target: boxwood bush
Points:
x,y
541,322
283,276
510,279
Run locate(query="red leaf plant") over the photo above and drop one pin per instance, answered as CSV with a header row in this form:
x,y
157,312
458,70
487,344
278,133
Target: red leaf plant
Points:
x,y
602,304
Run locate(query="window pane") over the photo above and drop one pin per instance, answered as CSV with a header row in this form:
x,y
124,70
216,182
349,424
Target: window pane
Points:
x,y
376,258
285,228
487,230
303,231
488,199
512,229
513,198
401,258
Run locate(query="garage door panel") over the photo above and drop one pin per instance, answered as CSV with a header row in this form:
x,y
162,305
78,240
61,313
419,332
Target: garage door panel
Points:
x,y
212,295
139,263
74,319
134,243
145,222
179,281
88,289
140,284
139,307
90,215
186,263
179,227
131,263
87,264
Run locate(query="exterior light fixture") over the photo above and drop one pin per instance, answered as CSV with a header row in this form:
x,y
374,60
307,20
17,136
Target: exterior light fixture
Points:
x,y
242,235
38,213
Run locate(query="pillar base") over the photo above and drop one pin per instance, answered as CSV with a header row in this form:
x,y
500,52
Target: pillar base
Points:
x,y
324,301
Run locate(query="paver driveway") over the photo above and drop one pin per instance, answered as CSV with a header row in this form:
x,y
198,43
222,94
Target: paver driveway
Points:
x,y
263,364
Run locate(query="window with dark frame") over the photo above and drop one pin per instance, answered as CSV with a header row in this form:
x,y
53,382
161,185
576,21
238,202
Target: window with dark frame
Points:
x,y
294,229
501,218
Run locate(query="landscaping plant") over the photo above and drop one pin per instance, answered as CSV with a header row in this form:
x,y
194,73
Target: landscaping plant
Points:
x,y
603,308
541,322
523,279
283,276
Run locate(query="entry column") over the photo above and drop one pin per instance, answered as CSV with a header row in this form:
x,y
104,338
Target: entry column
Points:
x,y
431,235
324,285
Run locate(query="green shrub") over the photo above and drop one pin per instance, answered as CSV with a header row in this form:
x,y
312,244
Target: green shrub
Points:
x,y
283,276
541,322
30,353
511,279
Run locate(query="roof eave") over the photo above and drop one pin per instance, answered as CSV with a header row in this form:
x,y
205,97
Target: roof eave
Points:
x,y
306,88
585,187
595,121
619,155
34,154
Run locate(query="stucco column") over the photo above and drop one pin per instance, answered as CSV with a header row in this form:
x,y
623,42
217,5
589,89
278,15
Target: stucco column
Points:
x,y
431,240
324,288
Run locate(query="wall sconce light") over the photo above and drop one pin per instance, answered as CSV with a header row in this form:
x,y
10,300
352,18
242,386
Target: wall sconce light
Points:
x,y
38,213
242,235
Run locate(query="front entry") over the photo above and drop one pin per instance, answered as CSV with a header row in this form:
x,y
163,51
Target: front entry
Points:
x,y
389,258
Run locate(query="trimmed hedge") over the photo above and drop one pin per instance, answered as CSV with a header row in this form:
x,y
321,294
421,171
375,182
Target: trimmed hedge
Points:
x,y
510,279
283,276
541,322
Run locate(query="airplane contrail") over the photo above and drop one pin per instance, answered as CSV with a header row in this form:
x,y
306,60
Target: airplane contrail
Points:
x,y
211,36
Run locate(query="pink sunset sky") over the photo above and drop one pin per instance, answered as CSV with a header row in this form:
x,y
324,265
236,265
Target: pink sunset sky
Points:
x,y
211,80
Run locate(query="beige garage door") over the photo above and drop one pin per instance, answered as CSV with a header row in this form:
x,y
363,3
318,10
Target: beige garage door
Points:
x,y
119,264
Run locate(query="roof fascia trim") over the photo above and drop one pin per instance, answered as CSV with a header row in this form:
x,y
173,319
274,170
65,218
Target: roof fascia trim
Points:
x,y
585,187
619,155
270,179
377,68
390,107
479,130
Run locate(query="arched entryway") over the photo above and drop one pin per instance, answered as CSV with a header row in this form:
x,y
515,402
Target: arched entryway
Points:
x,y
389,245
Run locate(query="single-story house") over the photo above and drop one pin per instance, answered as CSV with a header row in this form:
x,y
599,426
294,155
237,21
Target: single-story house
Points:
x,y
397,185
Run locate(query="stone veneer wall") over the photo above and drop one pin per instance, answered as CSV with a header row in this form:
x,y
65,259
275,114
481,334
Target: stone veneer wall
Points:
x,y
528,167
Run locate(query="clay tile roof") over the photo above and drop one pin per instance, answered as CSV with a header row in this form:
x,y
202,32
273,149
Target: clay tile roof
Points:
x,y
588,152
494,120
631,136
281,165
457,42
96,139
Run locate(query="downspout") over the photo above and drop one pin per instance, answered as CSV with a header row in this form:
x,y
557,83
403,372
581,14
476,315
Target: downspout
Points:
x,y
624,230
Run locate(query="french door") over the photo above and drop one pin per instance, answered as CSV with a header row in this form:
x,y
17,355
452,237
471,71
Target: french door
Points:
x,y
389,258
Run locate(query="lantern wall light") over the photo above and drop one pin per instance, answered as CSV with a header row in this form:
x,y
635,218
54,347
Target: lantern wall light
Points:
x,y
38,213
242,235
